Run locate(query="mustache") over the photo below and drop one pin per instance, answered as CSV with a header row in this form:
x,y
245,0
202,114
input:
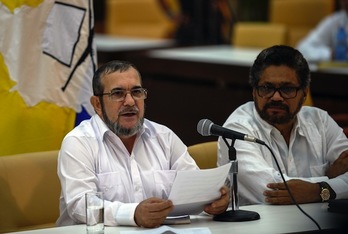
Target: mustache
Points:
x,y
128,110
277,105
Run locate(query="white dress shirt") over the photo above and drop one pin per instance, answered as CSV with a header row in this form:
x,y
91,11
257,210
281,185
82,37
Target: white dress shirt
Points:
x,y
319,43
92,158
316,142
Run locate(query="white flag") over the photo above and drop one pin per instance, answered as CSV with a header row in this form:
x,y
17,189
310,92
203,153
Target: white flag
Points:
x,y
49,51
47,61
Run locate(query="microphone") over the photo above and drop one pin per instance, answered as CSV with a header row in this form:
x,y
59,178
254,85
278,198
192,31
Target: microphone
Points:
x,y
206,127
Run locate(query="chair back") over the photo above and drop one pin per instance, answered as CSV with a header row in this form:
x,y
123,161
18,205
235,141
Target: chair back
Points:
x,y
137,18
258,34
205,154
299,16
29,191
289,21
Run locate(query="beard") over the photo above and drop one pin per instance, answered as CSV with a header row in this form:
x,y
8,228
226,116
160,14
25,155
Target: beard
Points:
x,y
277,118
128,132
118,129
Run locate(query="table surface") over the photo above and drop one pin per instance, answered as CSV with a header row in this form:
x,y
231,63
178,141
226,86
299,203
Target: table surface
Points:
x,y
229,55
109,43
218,54
274,219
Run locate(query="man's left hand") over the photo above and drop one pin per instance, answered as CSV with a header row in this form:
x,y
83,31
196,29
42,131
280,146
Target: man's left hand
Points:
x,y
339,167
220,205
302,191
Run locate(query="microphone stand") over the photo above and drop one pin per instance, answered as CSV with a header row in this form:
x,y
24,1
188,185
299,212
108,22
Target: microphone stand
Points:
x,y
235,214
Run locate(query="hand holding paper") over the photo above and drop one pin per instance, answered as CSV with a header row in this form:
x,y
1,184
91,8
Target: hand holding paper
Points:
x,y
192,190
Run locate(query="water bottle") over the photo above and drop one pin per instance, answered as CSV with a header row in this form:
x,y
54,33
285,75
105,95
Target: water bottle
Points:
x,y
341,48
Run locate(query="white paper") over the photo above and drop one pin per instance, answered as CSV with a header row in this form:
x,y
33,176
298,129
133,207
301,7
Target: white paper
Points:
x,y
170,230
192,190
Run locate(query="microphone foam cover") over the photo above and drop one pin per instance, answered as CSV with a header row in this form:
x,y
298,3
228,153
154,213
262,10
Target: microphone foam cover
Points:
x,y
203,127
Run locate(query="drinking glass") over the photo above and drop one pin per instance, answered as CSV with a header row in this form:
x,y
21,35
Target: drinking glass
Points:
x,y
94,212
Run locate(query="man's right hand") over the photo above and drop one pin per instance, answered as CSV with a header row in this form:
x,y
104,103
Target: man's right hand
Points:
x,y
152,212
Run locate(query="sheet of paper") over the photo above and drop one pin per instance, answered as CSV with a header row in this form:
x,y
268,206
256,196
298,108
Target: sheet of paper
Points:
x,y
192,190
169,230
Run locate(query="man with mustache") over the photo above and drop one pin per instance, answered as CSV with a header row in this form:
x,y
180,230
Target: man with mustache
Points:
x,y
132,160
311,149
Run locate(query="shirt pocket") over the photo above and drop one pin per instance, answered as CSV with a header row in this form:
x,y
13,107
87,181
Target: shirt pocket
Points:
x,y
113,188
164,180
319,170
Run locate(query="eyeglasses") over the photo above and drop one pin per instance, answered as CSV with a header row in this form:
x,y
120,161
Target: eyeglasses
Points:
x,y
286,92
119,95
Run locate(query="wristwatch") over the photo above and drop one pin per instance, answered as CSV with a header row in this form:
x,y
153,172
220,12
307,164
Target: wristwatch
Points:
x,y
326,192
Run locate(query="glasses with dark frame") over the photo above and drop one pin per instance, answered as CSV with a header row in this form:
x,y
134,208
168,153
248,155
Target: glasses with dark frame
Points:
x,y
286,92
119,95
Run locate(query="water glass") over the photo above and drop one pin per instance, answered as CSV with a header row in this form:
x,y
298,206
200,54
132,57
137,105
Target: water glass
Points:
x,y
94,212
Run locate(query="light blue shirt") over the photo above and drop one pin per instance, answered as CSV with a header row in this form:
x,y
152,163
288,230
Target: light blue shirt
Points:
x,y
316,142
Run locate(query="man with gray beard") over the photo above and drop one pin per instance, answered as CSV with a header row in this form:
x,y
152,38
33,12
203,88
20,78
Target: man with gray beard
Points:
x,y
132,160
